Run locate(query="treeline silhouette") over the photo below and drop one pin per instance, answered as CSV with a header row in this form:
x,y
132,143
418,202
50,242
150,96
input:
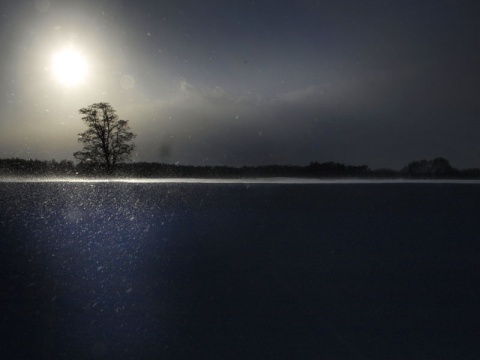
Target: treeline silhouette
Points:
x,y
423,169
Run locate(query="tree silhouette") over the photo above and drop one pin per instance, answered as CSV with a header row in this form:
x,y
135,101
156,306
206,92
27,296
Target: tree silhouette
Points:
x,y
436,167
107,141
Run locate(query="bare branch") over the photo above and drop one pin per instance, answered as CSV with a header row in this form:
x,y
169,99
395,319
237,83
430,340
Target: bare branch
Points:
x,y
107,141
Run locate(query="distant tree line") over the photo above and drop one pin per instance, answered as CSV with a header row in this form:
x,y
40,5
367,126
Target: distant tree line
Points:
x,y
20,167
107,147
423,169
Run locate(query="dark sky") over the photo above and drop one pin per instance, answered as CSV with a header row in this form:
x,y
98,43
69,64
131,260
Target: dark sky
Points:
x,y
249,82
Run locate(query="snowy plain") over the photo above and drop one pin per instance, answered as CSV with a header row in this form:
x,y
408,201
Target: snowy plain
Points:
x,y
264,269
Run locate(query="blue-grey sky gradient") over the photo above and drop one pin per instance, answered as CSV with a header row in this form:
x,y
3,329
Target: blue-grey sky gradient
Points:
x,y
249,82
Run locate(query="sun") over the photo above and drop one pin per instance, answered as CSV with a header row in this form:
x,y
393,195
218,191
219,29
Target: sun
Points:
x,y
69,67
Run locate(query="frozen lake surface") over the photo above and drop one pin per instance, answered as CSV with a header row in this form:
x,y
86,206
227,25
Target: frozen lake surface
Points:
x,y
253,270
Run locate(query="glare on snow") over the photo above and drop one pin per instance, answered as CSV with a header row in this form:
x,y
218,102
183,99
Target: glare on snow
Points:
x,y
240,181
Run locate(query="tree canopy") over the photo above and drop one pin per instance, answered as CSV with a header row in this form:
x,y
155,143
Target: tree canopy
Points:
x,y
108,139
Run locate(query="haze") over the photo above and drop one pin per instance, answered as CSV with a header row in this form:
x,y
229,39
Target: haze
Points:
x,y
247,83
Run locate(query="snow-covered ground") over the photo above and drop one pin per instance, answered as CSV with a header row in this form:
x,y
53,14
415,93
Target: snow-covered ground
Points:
x,y
146,270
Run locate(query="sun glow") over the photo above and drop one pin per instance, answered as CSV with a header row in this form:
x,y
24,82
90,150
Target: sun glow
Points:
x,y
69,67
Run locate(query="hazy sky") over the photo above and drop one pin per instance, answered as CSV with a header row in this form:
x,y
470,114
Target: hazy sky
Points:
x,y
249,82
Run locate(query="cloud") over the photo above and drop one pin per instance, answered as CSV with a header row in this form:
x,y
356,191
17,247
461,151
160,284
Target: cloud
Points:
x,y
373,117
348,121
208,125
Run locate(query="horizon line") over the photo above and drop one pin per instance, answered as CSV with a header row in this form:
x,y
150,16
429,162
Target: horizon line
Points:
x,y
272,181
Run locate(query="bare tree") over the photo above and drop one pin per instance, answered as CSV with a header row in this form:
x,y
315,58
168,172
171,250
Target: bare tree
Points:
x,y
107,141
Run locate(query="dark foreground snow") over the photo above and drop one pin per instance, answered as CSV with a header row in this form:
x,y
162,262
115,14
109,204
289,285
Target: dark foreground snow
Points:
x,y
239,271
